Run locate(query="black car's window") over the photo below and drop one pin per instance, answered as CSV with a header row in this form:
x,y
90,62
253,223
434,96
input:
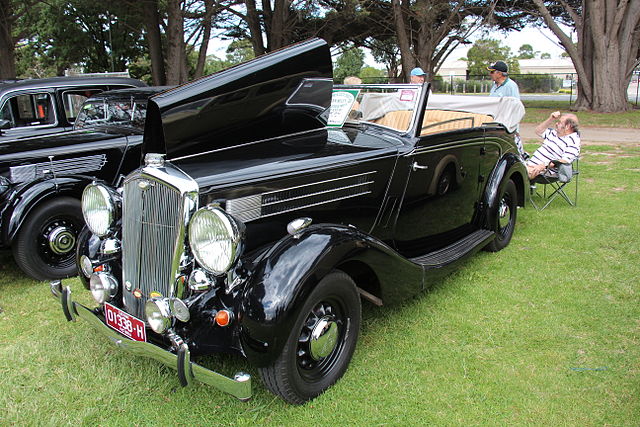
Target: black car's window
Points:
x,y
391,106
34,109
112,112
73,100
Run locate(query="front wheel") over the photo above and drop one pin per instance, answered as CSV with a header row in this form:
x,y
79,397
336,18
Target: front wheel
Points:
x,y
45,246
505,221
321,343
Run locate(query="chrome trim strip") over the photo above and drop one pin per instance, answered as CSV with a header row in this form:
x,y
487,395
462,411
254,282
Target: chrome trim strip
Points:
x,y
240,388
74,165
333,190
262,205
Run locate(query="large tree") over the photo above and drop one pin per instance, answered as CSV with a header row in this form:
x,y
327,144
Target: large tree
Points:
x,y
429,30
487,51
607,49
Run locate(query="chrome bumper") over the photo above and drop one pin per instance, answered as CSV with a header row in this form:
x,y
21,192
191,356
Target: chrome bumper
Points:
x,y
239,386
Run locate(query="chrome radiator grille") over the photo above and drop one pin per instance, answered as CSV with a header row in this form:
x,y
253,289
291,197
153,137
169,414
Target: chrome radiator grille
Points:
x,y
152,235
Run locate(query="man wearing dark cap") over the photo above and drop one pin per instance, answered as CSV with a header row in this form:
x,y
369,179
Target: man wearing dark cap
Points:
x,y
502,84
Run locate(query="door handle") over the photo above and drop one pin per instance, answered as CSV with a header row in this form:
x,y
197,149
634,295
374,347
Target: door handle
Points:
x,y
415,166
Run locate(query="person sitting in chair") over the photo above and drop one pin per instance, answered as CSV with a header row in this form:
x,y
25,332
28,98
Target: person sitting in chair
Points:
x,y
560,144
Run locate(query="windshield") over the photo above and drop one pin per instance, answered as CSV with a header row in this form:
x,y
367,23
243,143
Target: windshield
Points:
x,y
392,106
128,113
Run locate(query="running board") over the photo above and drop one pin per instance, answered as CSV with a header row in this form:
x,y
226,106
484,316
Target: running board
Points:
x,y
455,251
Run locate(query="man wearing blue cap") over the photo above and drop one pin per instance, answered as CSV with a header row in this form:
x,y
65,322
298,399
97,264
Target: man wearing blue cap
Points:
x,y
417,75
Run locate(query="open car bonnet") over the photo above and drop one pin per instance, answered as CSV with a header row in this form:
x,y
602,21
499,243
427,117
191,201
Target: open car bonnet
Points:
x,y
280,93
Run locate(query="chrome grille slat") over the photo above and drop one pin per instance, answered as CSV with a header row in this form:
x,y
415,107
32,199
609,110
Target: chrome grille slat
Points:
x,y
151,235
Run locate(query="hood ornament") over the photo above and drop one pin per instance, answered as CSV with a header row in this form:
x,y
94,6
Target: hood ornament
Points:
x,y
155,160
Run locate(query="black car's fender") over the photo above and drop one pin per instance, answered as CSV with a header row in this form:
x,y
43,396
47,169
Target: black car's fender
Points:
x,y
30,196
287,273
509,167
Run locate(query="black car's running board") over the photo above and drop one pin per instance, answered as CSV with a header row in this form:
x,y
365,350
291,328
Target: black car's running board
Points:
x,y
455,251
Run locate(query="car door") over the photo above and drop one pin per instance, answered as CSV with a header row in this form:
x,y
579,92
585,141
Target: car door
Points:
x,y
441,191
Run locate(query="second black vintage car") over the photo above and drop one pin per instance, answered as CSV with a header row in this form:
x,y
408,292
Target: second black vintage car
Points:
x,y
261,217
42,178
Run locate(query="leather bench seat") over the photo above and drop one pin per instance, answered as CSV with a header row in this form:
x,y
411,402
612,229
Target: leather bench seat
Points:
x,y
436,120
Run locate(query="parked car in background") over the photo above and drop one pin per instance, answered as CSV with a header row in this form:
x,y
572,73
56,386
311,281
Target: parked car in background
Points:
x,y
261,217
42,178
41,106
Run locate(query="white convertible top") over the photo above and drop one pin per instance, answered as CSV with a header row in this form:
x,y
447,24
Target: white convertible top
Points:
x,y
505,110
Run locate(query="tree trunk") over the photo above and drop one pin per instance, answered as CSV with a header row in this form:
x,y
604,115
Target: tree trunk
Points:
x,y
253,22
154,41
7,45
406,56
607,51
206,34
175,43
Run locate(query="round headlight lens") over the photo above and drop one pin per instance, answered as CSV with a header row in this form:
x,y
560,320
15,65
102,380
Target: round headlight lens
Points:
x,y
103,287
98,209
158,316
215,239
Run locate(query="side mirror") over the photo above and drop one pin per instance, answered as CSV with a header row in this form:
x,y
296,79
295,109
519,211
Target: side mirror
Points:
x,y
5,124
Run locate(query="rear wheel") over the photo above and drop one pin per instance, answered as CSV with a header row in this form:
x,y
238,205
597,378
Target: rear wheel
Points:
x,y
321,343
505,221
45,246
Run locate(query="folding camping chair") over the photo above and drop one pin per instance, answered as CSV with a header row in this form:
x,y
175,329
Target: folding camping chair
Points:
x,y
557,179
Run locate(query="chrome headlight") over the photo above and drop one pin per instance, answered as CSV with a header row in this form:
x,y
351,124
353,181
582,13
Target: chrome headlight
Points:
x,y
98,208
158,315
103,287
215,239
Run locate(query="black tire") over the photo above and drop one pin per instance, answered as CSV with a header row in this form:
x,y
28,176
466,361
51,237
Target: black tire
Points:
x,y
46,243
303,371
505,221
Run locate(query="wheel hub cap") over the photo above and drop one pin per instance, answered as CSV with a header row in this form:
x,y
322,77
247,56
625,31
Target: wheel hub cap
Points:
x,y
62,240
503,213
324,337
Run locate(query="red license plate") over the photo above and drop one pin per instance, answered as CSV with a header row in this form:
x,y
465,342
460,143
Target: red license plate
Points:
x,y
129,326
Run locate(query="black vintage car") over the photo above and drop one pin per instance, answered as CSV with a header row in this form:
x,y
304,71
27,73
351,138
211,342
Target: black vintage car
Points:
x,y
43,106
259,219
42,179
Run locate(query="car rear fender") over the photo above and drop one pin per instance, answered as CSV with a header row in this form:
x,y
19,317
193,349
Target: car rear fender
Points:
x,y
509,167
284,275
31,195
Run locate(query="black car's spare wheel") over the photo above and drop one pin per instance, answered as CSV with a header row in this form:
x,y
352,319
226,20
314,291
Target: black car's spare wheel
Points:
x,y
321,343
505,220
46,243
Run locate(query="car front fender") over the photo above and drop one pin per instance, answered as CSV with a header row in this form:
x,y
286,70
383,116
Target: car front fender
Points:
x,y
28,197
285,275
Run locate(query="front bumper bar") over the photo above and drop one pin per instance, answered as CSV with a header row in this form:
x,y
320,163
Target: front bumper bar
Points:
x,y
239,386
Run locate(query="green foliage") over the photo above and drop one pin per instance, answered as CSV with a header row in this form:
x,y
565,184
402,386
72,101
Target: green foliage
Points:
x,y
544,333
545,55
94,36
485,52
526,52
373,75
537,83
239,51
348,64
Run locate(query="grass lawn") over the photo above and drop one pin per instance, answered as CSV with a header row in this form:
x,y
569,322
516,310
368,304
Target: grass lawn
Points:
x,y
545,332
537,111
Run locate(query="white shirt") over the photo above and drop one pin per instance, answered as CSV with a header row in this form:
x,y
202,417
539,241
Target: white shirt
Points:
x,y
554,147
